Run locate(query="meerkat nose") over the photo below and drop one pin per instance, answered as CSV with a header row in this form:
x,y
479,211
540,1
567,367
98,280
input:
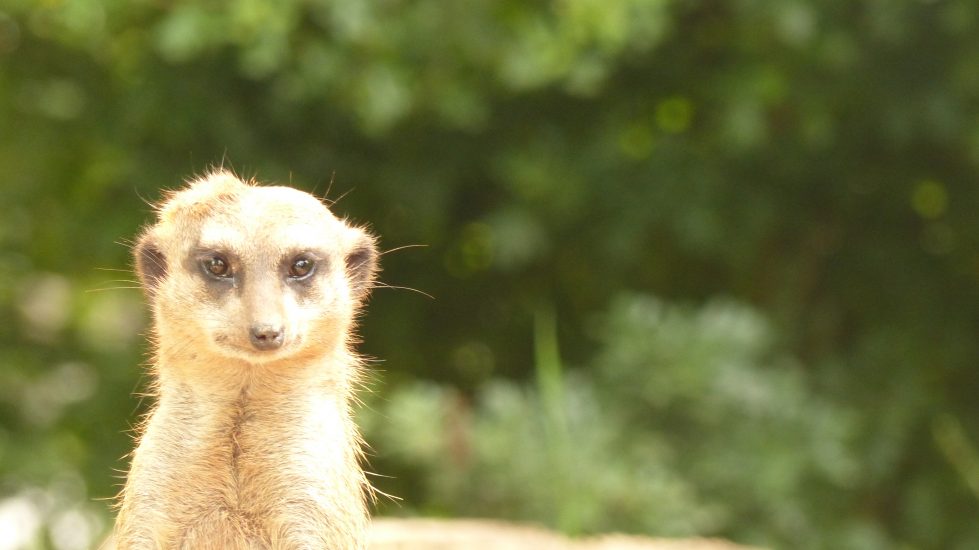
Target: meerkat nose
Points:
x,y
266,337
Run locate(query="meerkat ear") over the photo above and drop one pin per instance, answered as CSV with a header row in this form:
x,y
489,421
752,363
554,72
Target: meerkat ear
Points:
x,y
151,264
361,264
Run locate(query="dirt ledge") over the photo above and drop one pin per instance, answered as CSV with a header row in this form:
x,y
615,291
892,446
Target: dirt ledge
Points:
x,y
433,534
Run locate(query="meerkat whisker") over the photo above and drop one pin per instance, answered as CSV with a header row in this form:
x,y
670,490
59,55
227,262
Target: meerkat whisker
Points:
x,y
395,287
332,203
403,248
113,288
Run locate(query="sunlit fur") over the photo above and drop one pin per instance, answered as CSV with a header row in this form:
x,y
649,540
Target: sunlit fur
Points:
x,y
248,448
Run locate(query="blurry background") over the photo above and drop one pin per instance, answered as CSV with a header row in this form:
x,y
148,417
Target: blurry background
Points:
x,y
699,267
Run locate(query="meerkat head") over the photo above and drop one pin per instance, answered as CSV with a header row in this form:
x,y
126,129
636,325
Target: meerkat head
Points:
x,y
252,272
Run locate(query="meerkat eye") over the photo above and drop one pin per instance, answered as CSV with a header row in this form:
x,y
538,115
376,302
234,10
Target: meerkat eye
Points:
x,y
301,267
216,266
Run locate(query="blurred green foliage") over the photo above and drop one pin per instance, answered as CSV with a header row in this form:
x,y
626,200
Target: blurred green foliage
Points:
x,y
700,266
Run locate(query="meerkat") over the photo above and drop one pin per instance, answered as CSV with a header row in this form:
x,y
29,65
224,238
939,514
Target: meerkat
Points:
x,y
254,292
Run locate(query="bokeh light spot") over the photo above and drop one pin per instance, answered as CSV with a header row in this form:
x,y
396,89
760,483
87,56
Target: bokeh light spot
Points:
x,y
929,199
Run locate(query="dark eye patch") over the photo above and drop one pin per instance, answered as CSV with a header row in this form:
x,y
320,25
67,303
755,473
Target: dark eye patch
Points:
x,y
217,266
302,266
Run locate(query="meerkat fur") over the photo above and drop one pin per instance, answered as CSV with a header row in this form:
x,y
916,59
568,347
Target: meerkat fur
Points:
x,y
254,292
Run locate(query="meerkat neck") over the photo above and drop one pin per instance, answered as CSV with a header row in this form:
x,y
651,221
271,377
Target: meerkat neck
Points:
x,y
333,373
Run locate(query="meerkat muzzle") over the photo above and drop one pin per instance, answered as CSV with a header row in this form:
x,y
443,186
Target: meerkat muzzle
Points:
x,y
266,337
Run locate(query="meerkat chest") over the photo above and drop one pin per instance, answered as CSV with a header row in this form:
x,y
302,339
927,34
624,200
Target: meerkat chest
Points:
x,y
290,449
242,454
246,473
